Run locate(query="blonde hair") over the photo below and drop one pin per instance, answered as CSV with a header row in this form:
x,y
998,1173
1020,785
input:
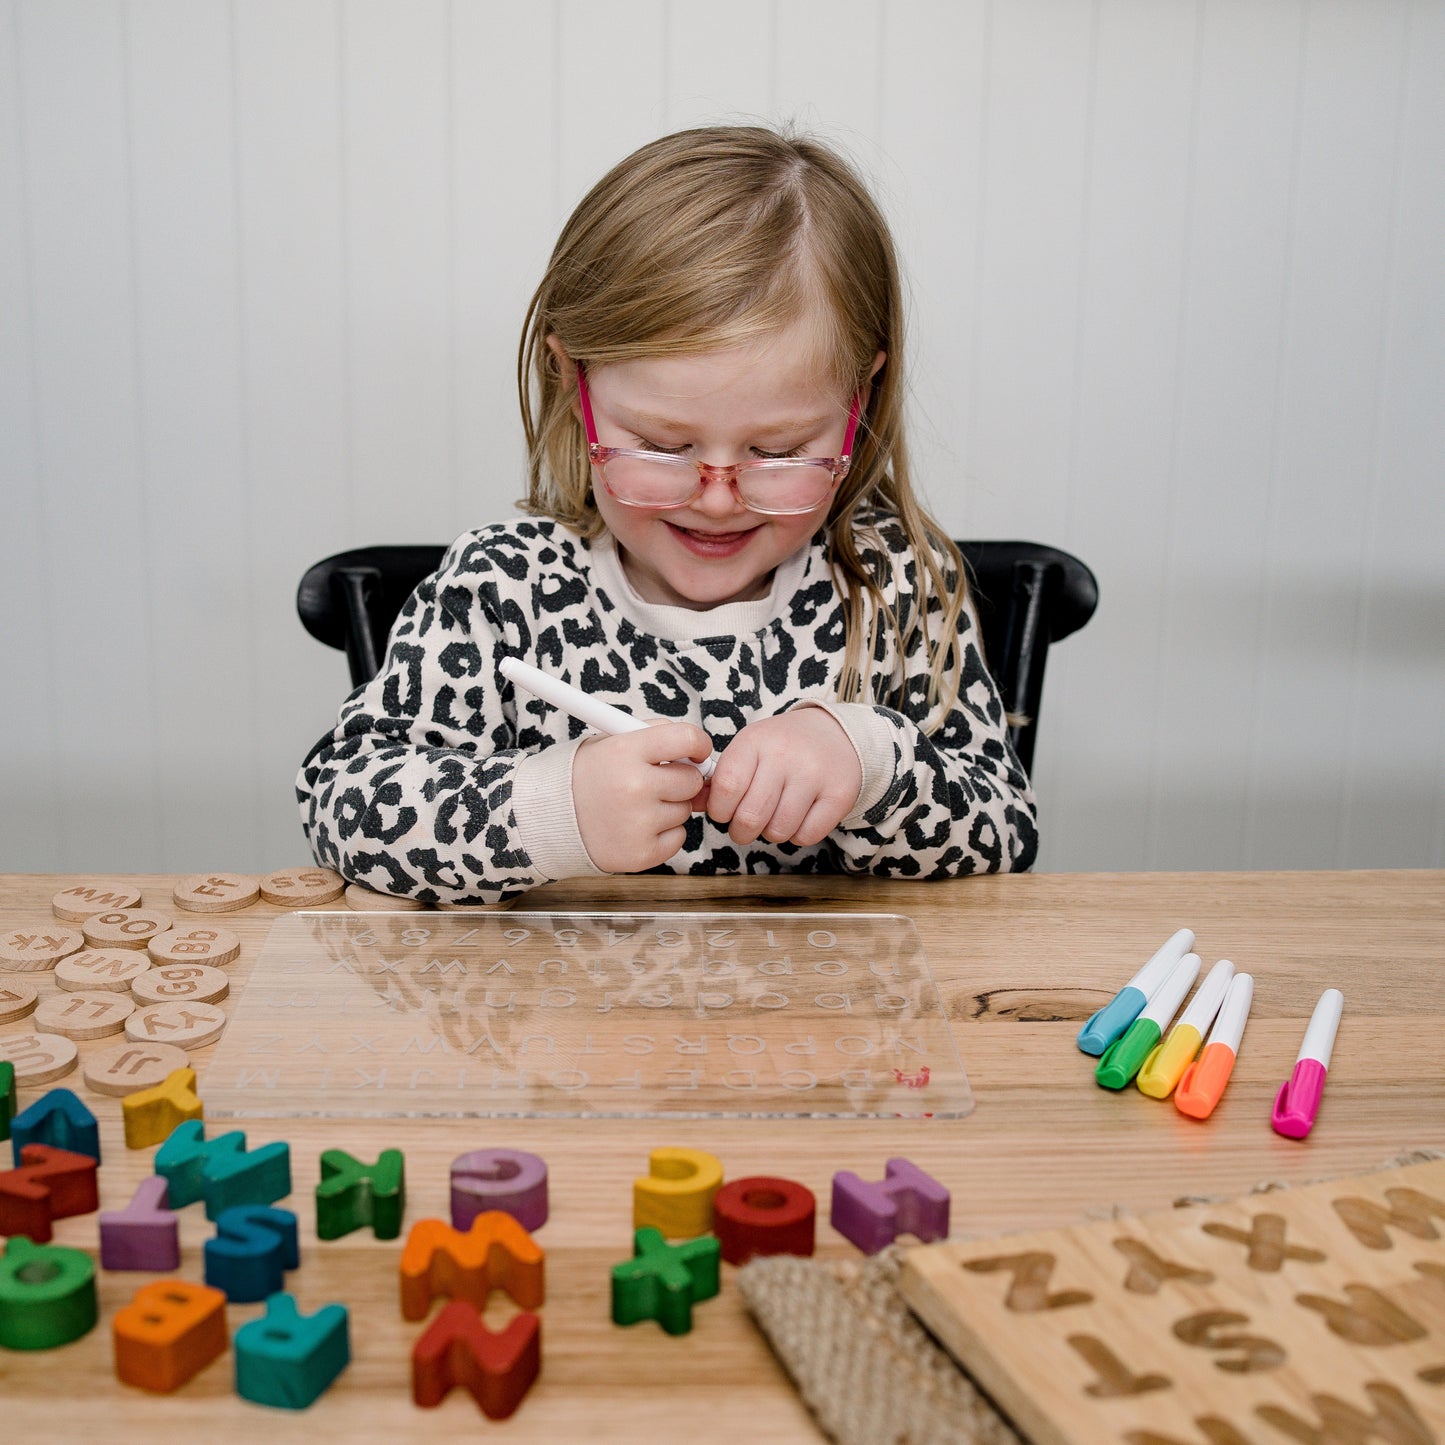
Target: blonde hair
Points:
x,y
717,237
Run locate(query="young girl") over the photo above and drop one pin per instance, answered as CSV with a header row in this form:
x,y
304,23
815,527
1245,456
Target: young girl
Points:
x,y
726,541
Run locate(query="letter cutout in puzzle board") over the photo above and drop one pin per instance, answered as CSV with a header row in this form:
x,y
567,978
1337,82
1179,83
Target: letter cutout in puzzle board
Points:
x,y
681,1015
1313,1314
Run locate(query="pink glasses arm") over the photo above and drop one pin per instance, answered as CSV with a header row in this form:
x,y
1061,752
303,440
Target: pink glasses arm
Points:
x,y
587,422
852,428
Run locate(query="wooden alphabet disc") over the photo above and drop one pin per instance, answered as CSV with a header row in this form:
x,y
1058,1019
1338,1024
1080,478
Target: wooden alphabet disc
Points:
x,y
188,942
109,969
16,999
364,900
126,1067
33,950
302,887
180,982
88,1014
123,928
38,1058
215,892
186,1024
89,896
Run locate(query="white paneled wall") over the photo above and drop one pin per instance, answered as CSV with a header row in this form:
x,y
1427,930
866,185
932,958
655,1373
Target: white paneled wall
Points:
x,y
1178,305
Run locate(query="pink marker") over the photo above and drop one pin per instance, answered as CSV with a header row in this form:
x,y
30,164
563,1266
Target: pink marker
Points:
x,y
1299,1099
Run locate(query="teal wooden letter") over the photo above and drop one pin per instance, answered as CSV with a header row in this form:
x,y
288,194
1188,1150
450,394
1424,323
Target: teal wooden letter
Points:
x,y
288,1359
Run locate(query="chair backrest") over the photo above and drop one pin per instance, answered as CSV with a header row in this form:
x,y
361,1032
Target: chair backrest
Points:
x,y
1028,596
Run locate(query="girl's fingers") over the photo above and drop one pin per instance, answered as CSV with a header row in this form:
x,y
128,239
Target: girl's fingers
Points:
x,y
756,808
791,809
819,821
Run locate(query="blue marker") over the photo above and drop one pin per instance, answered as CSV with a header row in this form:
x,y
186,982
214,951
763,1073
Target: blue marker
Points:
x,y
1126,1005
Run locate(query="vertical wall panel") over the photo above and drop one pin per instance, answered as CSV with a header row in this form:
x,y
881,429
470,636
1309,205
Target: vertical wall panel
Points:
x,y
292,317
1205,693
1034,189
197,542
1396,697
611,88
504,227
932,104
98,602
1327,415
27,640
396,120
720,63
825,69
1123,412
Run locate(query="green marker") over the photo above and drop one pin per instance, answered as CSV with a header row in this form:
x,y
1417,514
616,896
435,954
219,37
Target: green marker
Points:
x,y
1125,1056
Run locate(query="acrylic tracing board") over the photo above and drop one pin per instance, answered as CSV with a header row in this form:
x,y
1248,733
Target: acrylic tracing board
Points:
x,y
682,1015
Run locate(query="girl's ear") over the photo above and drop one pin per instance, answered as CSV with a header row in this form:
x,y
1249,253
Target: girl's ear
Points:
x,y
566,370
879,357
554,345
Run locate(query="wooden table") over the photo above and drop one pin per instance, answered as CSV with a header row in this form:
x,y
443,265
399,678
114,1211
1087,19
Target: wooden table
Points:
x,y
1019,962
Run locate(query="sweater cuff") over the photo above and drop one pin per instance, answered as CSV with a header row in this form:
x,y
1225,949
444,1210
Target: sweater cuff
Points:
x,y
546,818
876,740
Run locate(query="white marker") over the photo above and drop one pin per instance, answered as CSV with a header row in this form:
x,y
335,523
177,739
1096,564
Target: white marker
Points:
x,y
590,710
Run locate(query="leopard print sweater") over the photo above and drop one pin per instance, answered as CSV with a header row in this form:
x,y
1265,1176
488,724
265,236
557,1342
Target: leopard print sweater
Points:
x,y
440,783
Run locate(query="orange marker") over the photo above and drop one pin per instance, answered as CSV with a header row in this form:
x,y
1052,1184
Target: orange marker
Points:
x,y
1202,1084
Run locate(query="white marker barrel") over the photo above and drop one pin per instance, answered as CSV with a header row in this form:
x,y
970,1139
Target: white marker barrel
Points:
x,y
1205,1004
1324,1023
1233,1012
1171,993
1151,977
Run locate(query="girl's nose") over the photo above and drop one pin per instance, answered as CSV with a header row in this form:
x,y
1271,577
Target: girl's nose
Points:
x,y
719,497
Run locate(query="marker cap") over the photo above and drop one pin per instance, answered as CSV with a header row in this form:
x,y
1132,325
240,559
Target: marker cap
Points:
x,y
1298,1102
1167,1062
1110,1021
1202,1085
1123,1058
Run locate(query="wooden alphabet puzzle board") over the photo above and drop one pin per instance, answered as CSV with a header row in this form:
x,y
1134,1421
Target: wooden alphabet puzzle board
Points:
x,y
541,1014
1313,1315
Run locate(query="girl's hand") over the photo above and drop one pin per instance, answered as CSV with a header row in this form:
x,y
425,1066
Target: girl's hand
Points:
x,y
632,797
789,779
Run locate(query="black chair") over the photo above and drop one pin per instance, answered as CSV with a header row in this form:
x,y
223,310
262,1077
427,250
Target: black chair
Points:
x,y
1028,597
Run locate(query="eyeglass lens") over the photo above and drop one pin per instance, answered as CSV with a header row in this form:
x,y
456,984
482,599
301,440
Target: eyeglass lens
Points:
x,y
653,482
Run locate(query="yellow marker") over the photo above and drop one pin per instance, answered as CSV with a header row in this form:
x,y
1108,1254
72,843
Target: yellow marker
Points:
x,y
1167,1061
676,1196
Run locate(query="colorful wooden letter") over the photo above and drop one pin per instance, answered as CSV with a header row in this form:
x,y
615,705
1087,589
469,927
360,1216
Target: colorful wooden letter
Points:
x,y
57,1118
169,1331
151,1115
507,1179
496,1253
220,1170
352,1195
873,1213
676,1196
143,1235
7,1097
663,1281
253,1245
763,1215
497,1366
286,1358
47,1295
50,1184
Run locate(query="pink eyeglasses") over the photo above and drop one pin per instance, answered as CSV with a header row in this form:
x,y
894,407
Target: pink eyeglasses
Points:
x,y
775,486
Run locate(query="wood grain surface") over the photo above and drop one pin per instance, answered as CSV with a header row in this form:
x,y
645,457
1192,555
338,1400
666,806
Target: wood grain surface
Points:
x,y
1020,961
